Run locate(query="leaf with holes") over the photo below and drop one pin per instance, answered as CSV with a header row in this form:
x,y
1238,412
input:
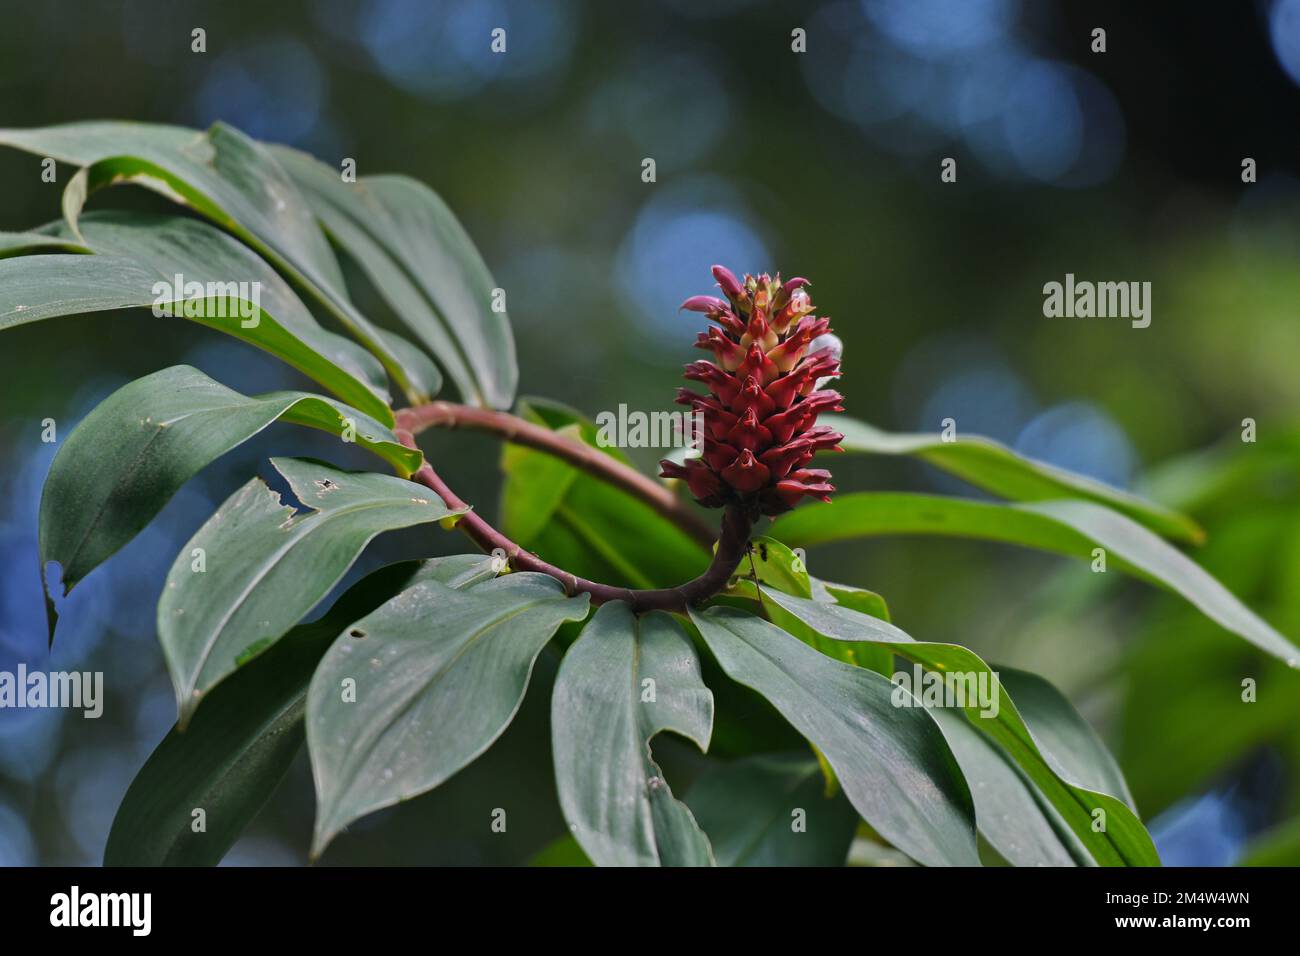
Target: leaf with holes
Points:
x,y
256,566
239,746
150,437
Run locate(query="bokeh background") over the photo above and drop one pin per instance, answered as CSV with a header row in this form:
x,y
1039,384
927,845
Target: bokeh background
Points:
x,y
1117,166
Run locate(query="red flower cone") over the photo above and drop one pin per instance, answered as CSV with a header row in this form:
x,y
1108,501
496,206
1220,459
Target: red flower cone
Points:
x,y
764,396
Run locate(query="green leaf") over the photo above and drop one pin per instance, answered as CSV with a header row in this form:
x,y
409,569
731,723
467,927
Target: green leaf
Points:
x,y
238,748
438,674
265,566
535,487
772,563
141,257
584,525
892,761
562,851
1140,548
199,252
1065,527
1065,738
424,376
772,810
227,177
150,437
1013,817
860,599
1076,777
423,262
992,466
27,243
624,680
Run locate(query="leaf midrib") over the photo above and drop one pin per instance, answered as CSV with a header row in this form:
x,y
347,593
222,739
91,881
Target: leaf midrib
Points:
x,y
318,518
363,742
136,463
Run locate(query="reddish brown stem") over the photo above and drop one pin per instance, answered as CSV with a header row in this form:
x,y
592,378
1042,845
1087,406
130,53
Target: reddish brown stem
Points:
x,y
732,546
579,454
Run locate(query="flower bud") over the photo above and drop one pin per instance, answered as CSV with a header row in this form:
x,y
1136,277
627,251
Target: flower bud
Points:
x,y
772,358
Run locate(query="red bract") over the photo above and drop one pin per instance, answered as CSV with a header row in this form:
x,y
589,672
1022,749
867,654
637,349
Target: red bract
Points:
x,y
760,414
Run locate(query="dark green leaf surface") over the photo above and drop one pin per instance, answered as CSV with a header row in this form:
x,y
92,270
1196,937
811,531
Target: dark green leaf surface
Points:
x,y
150,437
774,565
772,810
892,762
1013,816
1070,745
603,717
1076,779
438,675
225,176
141,255
1065,527
994,467
424,264
584,525
198,251
28,243
266,567
238,747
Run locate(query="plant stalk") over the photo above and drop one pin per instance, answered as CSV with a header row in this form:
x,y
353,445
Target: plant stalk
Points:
x,y
516,430
733,544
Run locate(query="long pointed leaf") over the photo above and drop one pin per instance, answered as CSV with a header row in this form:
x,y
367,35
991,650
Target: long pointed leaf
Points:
x,y
150,437
225,176
1076,794
436,675
990,465
255,567
1066,527
424,264
141,257
893,762
623,681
